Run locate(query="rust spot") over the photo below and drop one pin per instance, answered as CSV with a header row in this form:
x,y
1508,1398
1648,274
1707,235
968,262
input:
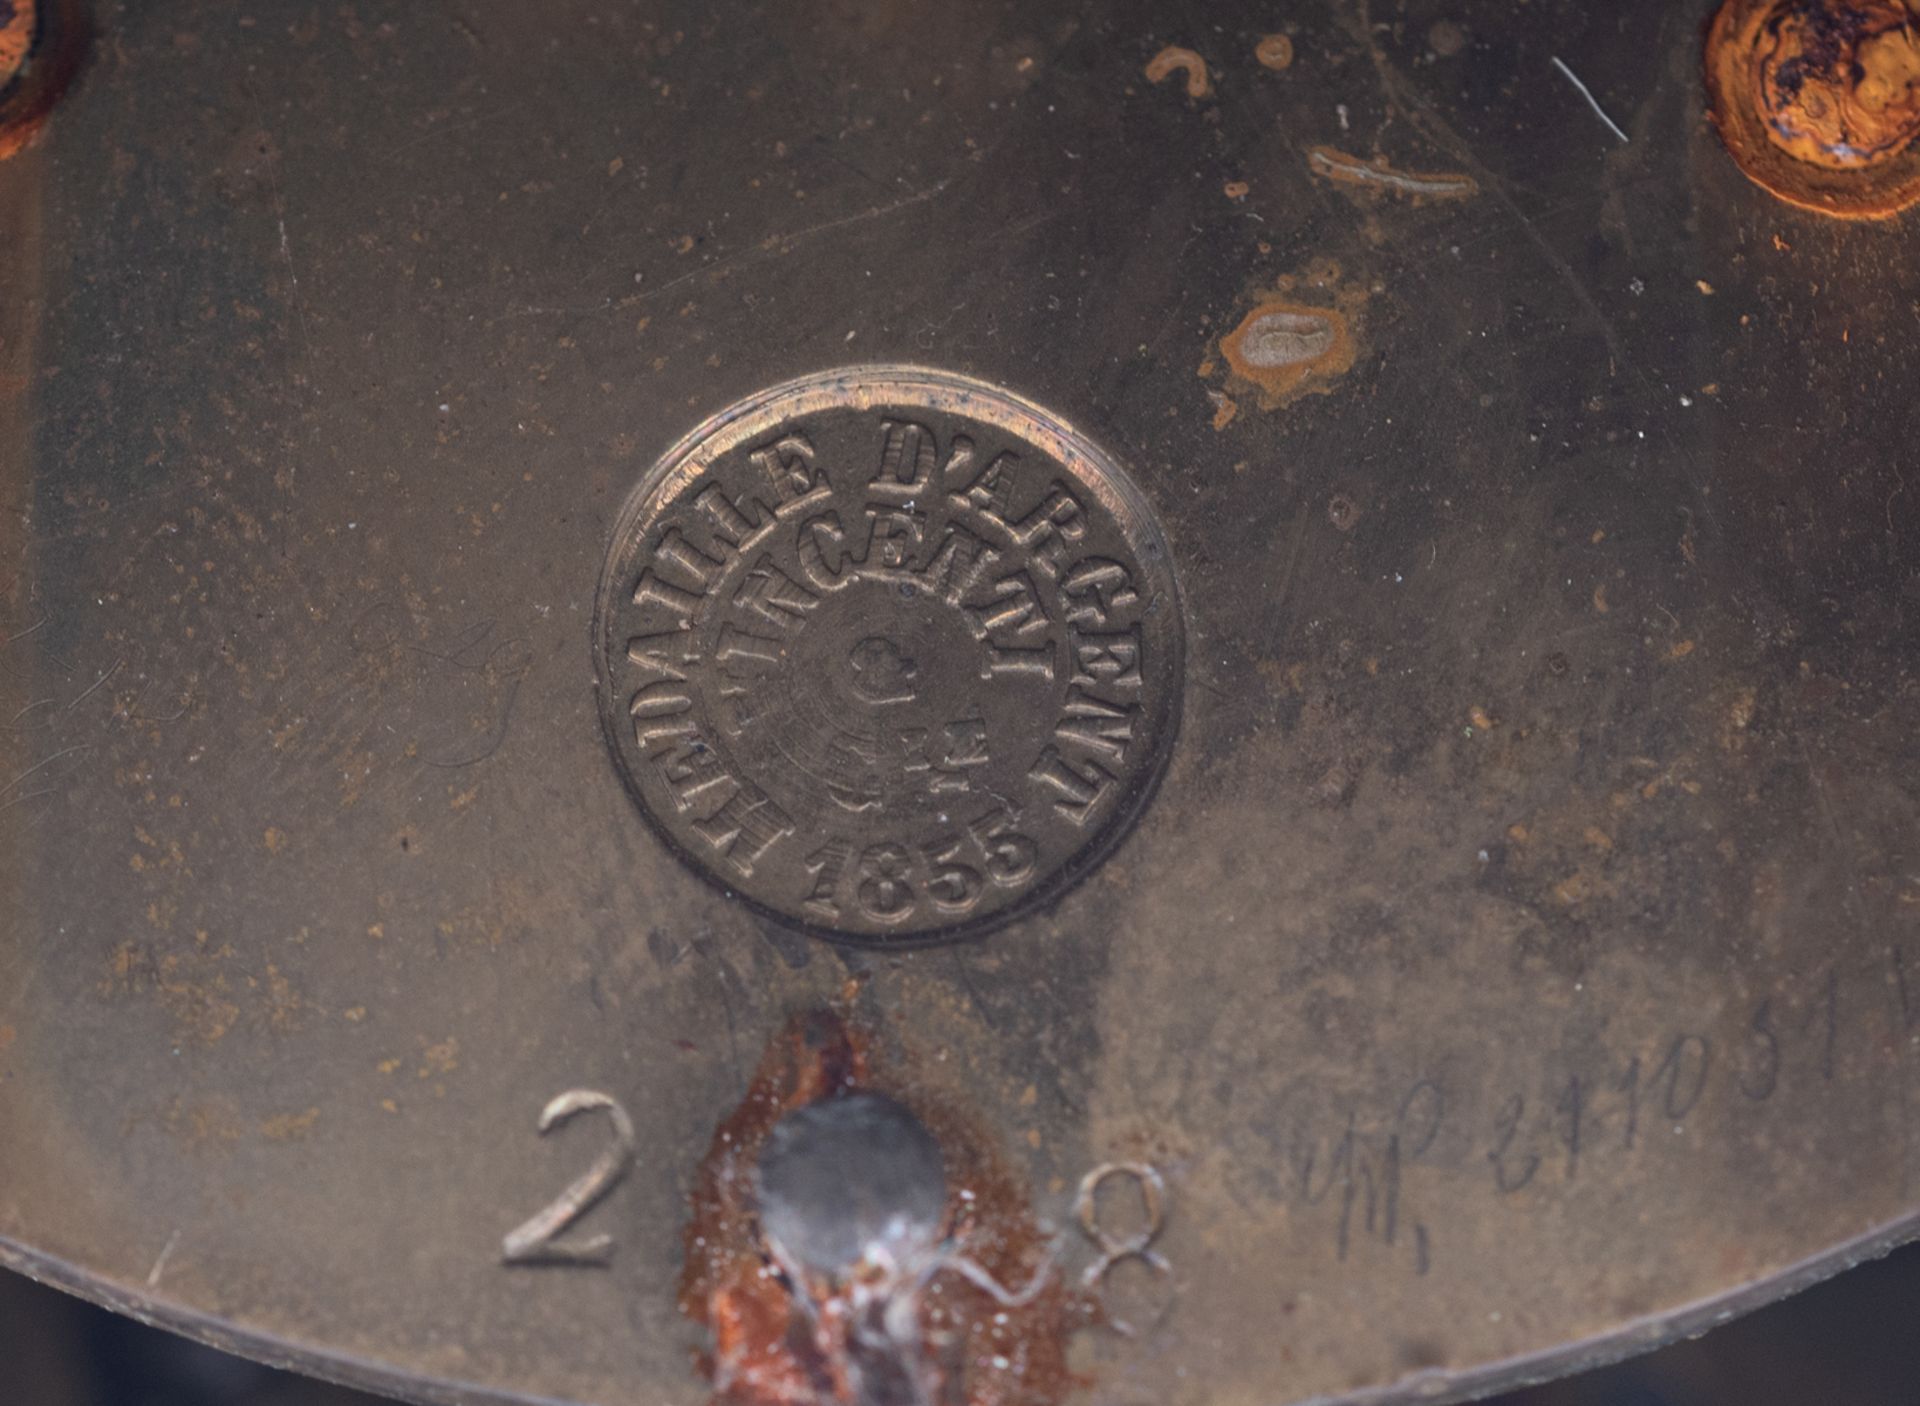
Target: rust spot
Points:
x,y
196,987
1839,84
290,1127
1347,170
213,1120
1446,38
1579,887
1740,713
439,1059
1235,190
766,1349
1343,512
1819,100
19,21
1286,347
1225,407
1172,58
7,1037
1275,51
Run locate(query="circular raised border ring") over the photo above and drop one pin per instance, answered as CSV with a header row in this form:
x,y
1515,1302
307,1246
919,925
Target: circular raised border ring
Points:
x,y
683,472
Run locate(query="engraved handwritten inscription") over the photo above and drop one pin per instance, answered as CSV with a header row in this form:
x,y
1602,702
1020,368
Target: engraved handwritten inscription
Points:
x,y
1381,1174
889,653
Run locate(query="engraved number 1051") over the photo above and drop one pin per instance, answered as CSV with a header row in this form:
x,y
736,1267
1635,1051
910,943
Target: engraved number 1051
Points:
x,y
886,882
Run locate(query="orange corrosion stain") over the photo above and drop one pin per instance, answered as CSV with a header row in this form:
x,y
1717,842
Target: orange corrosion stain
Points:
x,y
19,22
1236,190
761,1352
1283,347
1819,100
1173,58
40,46
7,1036
1275,51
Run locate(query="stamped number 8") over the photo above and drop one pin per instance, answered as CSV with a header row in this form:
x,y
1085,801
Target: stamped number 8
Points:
x,y
1137,1246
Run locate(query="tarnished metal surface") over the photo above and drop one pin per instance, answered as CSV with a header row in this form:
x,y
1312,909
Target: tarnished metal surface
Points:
x,y
1519,962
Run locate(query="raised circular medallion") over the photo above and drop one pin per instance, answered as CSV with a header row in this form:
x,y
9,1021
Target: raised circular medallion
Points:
x,y
890,653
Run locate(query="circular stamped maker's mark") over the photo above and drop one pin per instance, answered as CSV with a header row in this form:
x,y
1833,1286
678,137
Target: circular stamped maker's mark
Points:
x,y
889,653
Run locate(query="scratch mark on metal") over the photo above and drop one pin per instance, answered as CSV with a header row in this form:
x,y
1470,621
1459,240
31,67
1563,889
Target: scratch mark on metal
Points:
x,y
447,128
773,245
22,799
783,242
1592,101
733,1030
1428,121
134,715
160,1264
973,993
13,723
43,765
28,631
96,685
272,167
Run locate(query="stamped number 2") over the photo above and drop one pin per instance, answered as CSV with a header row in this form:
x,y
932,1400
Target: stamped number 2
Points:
x,y
537,1241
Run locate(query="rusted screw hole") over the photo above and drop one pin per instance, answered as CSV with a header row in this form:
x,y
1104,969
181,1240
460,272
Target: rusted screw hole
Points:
x,y
1838,81
1819,100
